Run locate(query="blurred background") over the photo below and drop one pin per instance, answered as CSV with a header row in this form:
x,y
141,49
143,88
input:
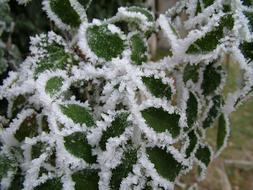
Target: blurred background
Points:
x,y
233,170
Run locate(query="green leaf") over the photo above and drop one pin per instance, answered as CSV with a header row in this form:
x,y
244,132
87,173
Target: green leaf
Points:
x,y
45,125
211,79
198,8
54,85
210,41
247,2
165,164
28,128
139,49
104,43
118,126
191,72
157,87
86,179
143,11
192,109
247,50
5,17
214,111
18,104
161,120
124,168
3,61
77,145
222,131
78,114
17,182
85,3
207,2
193,142
51,184
56,58
203,154
38,149
3,107
64,10
6,165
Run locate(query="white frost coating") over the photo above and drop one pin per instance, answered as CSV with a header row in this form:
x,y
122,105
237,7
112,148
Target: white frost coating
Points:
x,y
81,11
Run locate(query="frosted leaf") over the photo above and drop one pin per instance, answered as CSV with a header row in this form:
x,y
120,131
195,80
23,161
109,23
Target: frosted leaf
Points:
x,y
118,126
157,87
124,168
53,85
78,114
165,164
193,140
103,42
211,39
53,54
86,179
211,79
50,184
141,18
247,50
204,154
143,11
28,128
72,18
223,132
139,49
161,121
17,105
214,111
6,165
77,145
191,73
192,109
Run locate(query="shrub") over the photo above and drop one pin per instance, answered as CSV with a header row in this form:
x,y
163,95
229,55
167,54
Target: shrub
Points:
x,y
89,109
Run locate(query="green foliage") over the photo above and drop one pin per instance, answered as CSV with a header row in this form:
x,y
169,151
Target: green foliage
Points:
x,y
53,85
104,43
78,146
165,164
139,49
192,109
28,128
203,154
161,121
69,17
213,113
222,131
78,114
56,58
211,79
118,126
129,158
86,179
191,73
211,40
50,184
157,87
